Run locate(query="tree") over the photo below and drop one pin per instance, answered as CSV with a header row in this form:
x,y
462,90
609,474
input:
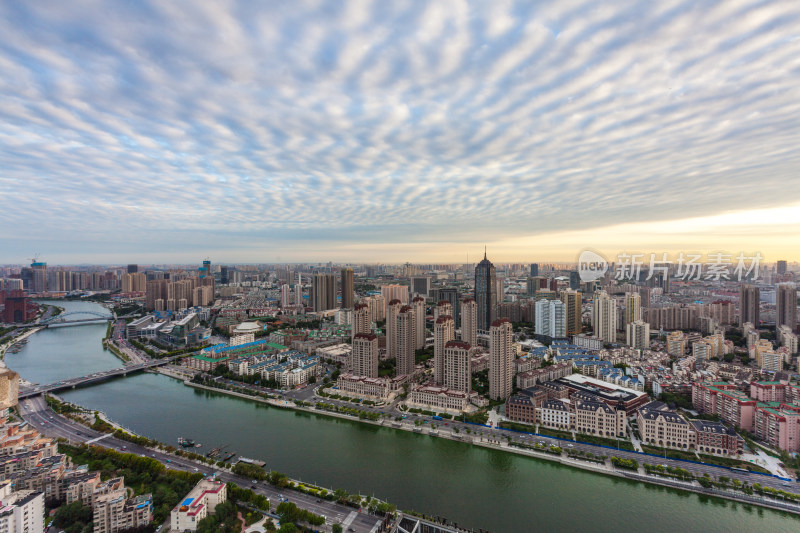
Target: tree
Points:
x,y
337,528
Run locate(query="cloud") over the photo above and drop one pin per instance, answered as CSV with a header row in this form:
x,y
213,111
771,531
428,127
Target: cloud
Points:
x,y
317,127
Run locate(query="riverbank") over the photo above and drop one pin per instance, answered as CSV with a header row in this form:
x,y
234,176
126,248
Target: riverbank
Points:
x,y
605,468
8,344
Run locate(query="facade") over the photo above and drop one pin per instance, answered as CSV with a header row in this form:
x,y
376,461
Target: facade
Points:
x,y
725,400
114,511
418,303
406,340
361,319
786,306
443,332
438,398
522,406
778,425
637,334
660,426
555,414
421,285
323,292
469,321
486,293
633,307
364,358
365,387
676,343
201,501
394,292
572,310
749,305
348,292
530,378
21,511
716,439
604,316
501,359
551,320
392,314
457,372
593,417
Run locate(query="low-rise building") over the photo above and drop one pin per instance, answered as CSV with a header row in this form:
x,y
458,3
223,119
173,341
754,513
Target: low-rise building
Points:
x,y
716,439
660,426
522,406
438,398
555,414
201,501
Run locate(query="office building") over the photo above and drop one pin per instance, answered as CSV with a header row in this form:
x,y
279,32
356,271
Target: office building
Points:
x,y
551,320
392,314
786,306
364,357
323,292
443,332
418,303
421,285
781,267
469,321
453,296
406,339
457,373
501,359
133,269
348,288
534,269
604,317
637,334
486,293
749,308
574,280
572,309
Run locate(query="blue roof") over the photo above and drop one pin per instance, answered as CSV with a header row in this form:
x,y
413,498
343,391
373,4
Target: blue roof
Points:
x,y
187,501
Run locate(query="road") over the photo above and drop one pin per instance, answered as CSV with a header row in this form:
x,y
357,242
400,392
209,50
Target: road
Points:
x,y
498,436
36,412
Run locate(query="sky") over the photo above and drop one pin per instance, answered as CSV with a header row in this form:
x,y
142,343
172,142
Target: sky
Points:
x,y
397,131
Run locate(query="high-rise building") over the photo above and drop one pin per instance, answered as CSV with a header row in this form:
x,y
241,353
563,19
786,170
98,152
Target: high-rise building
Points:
x,y
574,280
604,316
781,267
155,290
392,312
223,274
421,285
135,282
443,308
501,359
676,343
637,334
394,292
38,281
298,293
418,303
572,309
443,332
286,295
364,358
457,370
348,288
486,293
362,320
749,306
133,268
452,295
551,319
405,341
633,307
786,306
323,292
469,321
377,307
534,269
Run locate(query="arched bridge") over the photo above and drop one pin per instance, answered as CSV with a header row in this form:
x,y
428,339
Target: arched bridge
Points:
x,y
73,317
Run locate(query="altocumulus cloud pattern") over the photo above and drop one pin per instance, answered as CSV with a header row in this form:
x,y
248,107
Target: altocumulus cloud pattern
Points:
x,y
290,124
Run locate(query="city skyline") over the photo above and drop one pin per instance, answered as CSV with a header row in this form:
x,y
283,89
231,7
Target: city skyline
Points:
x,y
355,132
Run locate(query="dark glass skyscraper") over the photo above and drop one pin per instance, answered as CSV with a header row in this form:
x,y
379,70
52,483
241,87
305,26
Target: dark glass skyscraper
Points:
x,y
534,269
486,293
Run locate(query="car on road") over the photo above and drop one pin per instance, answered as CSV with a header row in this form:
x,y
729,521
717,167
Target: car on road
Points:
x,y
570,445
254,481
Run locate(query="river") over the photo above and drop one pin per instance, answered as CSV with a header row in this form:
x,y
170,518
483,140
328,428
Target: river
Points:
x,y
473,486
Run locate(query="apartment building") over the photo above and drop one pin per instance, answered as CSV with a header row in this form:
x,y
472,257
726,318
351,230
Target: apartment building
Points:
x,y
725,400
660,426
778,424
201,501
